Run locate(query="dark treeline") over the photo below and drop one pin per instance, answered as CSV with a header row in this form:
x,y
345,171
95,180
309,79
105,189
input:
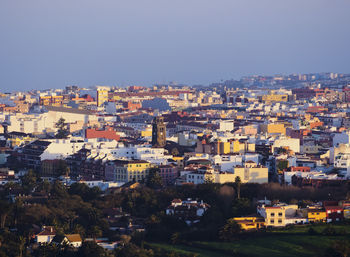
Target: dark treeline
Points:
x,y
79,209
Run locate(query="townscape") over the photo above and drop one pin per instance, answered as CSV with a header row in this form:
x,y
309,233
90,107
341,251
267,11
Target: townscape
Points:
x,y
253,167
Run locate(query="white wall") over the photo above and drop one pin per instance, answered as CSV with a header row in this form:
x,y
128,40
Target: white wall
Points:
x,y
292,143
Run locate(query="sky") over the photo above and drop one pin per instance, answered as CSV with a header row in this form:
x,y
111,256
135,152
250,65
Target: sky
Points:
x,y
51,44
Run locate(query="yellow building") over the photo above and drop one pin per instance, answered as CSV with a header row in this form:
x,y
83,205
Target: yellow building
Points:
x,y
273,128
146,133
56,100
116,97
102,96
280,216
224,148
274,98
275,216
347,212
251,173
126,171
250,223
220,178
17,141
45,100
316,215
237,147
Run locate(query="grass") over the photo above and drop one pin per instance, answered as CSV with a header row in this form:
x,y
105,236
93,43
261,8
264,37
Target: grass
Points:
x,y
271,246
184,249
291,242
318,227
275,246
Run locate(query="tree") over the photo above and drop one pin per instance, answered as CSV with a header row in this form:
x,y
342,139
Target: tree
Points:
x,y
62,130
208,179
238,186
59,190
91,249
45,186
230,230
281,150
62,168
154,180
125,239
133,250
5,209
282,165
241,207
175,238
29,181
95,232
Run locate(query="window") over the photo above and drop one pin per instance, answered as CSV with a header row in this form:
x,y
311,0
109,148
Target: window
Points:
x,y
279,221
338,211
272,221
272,215
280,214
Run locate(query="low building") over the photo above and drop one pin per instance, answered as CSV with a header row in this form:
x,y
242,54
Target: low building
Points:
x,y
188,210
168,173
107,133
316,215
250,223
127,171
46,235
252,173
334,213
73,240
281,215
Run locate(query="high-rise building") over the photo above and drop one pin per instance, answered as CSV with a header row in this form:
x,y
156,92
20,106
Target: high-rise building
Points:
x,y
158,132
102,96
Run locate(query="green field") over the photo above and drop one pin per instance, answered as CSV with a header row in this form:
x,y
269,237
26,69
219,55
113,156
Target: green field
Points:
x,y
340,228
271,244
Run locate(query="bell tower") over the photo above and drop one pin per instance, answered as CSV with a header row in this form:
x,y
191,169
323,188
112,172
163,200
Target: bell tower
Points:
x,y
158,132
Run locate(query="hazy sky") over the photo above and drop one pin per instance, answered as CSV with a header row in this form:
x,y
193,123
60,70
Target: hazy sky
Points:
x,y
54,43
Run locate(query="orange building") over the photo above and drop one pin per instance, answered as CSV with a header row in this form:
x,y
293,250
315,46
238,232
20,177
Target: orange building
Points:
x,y
132,105
108,133
316,124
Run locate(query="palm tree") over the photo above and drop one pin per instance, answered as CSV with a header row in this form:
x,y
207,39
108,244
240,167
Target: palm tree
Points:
x,y
5,209
238,186
21,245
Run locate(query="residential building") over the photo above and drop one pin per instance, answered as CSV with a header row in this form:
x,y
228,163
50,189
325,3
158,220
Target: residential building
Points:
x,y
316,215
127,171
46,235
188,210
250,222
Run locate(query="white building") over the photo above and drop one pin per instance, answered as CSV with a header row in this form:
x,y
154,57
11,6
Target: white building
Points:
x,y
147,153
292,143
311,175
46,122
226,125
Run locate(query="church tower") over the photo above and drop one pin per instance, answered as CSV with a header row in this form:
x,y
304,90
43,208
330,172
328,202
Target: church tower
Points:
x,y
158,132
